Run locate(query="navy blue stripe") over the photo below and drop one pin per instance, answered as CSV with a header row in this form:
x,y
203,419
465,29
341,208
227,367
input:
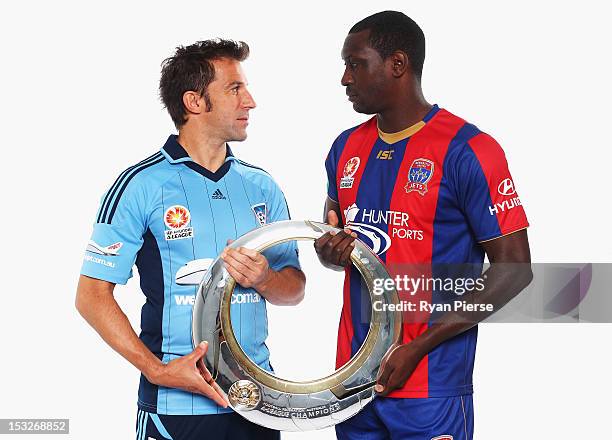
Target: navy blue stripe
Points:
x,y
113,189
121,181
287,205
261,169
455,148
149,264
177,152
431,113
455,254
116,183
216,176
109,219
253,166
450,222
374,193
111,192
331,164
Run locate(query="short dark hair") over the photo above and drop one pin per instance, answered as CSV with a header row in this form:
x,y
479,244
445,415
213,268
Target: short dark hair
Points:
x,y
391,31
191,69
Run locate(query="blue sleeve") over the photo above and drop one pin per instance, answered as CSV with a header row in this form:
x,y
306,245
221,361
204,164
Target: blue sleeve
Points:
x,y
111,252
331,165
285,254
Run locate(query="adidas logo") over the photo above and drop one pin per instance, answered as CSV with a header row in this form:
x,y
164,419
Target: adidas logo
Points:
x,y
218,195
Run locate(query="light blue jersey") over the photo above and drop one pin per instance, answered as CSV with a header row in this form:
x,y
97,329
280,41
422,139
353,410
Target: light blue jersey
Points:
x,y
164,213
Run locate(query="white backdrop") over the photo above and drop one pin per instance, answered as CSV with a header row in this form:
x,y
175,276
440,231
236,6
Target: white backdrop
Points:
x,y
79,104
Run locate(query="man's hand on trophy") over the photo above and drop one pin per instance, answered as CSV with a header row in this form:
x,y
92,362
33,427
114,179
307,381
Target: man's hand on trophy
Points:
x,y
396,367
334,249
189,373
248,267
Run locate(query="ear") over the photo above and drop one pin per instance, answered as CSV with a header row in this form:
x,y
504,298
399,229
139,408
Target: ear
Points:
x,y
193,102
399,63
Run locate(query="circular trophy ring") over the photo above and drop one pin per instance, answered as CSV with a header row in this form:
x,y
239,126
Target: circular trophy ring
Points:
x,y
268,400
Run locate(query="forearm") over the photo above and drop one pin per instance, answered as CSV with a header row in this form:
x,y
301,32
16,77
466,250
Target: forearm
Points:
x,y
283,288
103,313
502,283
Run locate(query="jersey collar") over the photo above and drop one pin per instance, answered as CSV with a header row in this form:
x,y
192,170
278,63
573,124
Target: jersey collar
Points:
x,y
392,138
175,154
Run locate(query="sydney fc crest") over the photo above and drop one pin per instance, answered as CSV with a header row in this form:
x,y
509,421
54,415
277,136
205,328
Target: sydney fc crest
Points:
x,y
261,213
419,175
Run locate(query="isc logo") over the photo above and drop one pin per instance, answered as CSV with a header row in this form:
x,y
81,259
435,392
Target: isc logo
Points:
x,y
385,154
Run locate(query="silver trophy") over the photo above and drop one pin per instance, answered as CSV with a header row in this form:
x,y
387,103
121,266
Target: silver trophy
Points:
x,y
262,397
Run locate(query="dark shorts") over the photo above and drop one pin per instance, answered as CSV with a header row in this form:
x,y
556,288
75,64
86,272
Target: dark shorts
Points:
x,y
228,426
444,418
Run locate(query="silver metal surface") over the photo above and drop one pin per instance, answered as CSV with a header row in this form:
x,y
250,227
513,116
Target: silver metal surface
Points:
x,y
258,395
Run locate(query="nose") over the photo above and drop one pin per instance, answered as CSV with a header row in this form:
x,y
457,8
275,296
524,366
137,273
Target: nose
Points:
x,y
347,78
248,101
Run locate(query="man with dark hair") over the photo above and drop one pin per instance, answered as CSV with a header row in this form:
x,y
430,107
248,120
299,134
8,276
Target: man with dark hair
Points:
x,y
172,214
191,68
423,187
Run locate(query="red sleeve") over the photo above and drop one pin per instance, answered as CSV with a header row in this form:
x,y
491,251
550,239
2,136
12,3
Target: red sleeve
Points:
x,y
487,190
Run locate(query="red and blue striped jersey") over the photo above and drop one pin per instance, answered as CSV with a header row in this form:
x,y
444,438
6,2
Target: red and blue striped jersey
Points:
x,y
427,195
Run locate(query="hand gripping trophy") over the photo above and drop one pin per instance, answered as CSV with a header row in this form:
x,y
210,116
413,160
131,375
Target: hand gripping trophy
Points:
x,y
258,395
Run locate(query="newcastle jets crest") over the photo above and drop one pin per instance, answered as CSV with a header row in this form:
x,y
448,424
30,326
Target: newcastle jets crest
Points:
x,y
421,172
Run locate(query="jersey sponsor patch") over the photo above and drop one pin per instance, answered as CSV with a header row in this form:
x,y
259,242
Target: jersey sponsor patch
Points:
x,y
192,273
350,168
443,437
97,260
506,187
237,298
177,219
381,227
379,239
421,172
109,251
504,206
261,213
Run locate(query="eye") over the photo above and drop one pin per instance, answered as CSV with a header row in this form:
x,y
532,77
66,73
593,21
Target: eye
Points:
x,y
351,65
234,90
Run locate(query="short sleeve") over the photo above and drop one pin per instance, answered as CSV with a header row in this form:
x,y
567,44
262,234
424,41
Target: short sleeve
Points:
x,y
117,236
285,254
331,165
486,191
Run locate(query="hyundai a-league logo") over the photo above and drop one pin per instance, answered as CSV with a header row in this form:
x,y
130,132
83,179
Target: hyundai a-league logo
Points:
x,y
176,219
261,213
421,172
350,168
